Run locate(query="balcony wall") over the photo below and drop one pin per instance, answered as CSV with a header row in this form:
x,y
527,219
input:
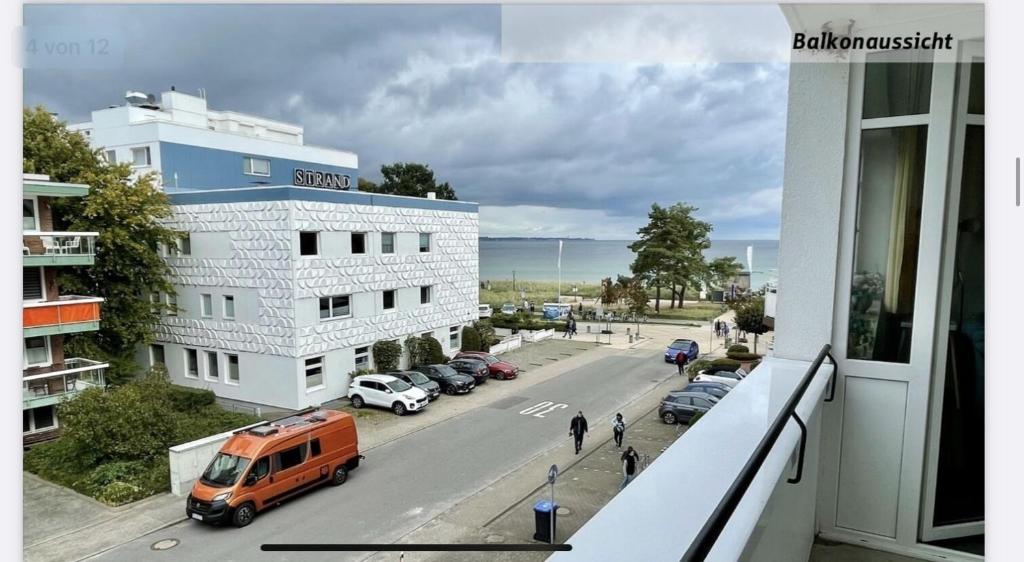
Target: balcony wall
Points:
x,y
48,386
58,248
64,315
665,508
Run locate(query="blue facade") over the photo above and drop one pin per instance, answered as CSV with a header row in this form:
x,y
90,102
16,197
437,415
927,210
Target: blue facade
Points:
x,y
288,193
200,168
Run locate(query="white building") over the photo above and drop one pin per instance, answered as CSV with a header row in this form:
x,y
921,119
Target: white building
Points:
x,y
283,288
882,258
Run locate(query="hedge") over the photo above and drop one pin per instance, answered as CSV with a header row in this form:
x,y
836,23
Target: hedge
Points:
x,y
738,348
386,355
744,356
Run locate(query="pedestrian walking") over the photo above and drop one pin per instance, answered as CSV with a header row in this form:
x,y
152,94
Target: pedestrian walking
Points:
x,y
681,362
618,429
577,428
568,328
629,461
572,327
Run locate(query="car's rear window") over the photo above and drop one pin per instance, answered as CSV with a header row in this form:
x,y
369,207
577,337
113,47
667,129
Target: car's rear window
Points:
x,y
680,344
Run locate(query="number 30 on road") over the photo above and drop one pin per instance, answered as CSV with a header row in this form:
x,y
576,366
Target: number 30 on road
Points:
x,y
538,410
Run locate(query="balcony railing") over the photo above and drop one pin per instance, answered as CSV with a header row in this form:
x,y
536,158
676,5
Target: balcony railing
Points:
x,y
51,385
67,314
735,486
58,248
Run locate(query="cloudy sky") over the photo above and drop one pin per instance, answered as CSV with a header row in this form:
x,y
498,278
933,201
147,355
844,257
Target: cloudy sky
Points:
x,y
571,126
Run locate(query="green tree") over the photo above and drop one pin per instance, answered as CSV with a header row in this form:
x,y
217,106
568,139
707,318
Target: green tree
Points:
x,y
410,179
750,316
386,355
470,339
431,350
609,291
636,299
721,270
128,215
670,250
487,335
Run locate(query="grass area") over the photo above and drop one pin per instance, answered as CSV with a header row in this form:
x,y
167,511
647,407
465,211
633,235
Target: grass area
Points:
x,y
497,293
114,446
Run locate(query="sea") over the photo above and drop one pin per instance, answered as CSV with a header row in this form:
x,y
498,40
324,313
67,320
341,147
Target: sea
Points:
x,y
589,261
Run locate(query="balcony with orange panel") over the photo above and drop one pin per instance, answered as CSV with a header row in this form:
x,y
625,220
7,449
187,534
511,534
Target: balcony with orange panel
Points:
x,y
66,314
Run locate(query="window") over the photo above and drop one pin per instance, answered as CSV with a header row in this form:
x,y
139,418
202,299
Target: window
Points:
x,y
38,419
425,295
185,244
362,358
29,214
335,307
424,242
389,300
154,299
229,307
140,156
896,88
256,166
314,372
212,367
261,468
172,305
886,245
32,283
358,242
206,305
156,355
111,156
291,457
191,363
314,447
453,337
387,242
37,351
308,243
232,368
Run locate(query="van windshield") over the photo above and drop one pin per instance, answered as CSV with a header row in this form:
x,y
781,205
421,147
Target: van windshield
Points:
x,y
224,470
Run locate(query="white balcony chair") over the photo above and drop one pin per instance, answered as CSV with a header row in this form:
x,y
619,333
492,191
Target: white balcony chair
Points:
x,y
49,246
71,246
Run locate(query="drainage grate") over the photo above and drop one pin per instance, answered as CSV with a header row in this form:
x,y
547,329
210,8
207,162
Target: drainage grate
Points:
x,y
508,402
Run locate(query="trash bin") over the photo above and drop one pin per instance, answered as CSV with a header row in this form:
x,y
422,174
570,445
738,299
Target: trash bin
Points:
x,y
543,512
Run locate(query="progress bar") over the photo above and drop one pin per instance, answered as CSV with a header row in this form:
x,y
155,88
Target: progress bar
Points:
x,y
415,547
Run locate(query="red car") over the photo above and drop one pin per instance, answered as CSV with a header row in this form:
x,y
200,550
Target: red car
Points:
x,y
501,370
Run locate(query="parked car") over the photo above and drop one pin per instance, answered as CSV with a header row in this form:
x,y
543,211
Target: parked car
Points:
x,y
688,347
419,380
508,308
486,311
499,369
451,382
262,465
716,389
731,378
472,367
681,406
387,391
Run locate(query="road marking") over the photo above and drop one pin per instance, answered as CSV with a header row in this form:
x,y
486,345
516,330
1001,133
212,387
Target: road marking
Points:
x,y
538,410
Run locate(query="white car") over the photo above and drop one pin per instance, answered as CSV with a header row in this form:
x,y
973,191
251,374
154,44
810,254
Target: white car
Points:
x,y
486,311
387,392
725,377
508,308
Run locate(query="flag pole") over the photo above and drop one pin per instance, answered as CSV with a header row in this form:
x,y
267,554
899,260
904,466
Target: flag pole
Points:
x,y
559,299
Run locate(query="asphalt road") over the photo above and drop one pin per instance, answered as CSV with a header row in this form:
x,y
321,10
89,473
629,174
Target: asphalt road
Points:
x,y
408,481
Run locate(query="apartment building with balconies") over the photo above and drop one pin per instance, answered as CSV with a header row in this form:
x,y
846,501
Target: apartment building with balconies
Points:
x,y
48,376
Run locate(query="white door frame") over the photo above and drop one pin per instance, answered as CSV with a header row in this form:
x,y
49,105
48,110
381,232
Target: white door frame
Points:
x,y
929,532
916,373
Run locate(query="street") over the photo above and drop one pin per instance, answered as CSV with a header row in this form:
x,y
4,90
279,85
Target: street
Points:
x,y
408,481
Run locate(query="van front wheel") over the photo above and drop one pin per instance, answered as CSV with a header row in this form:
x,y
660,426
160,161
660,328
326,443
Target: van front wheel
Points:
x,y
244,515
340,475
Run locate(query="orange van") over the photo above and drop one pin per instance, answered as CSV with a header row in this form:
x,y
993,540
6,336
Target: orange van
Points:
x,y
263,465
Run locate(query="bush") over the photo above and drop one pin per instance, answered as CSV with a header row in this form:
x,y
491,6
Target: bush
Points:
x,y
744,356
185,399
487,335
359,373
738,348
118,493
431,351
754,365
386,355
726,363
696,416
697,366
470,339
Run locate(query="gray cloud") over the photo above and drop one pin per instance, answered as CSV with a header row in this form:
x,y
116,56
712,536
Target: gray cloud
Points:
x,y
590,142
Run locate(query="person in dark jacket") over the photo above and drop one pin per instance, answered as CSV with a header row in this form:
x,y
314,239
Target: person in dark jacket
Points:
x,y
578,427
681,362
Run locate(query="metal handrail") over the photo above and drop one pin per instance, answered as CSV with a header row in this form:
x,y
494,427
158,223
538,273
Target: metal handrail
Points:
x,y
712,529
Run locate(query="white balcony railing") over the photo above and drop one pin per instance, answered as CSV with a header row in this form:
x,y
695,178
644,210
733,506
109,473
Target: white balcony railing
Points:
x,y
39,243
668,506
49,386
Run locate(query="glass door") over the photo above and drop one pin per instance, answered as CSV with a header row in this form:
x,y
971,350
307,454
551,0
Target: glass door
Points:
x,y
954,488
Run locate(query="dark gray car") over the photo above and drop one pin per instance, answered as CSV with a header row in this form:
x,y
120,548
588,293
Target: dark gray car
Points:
x,y
681,406
420,381
451,382
716,389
